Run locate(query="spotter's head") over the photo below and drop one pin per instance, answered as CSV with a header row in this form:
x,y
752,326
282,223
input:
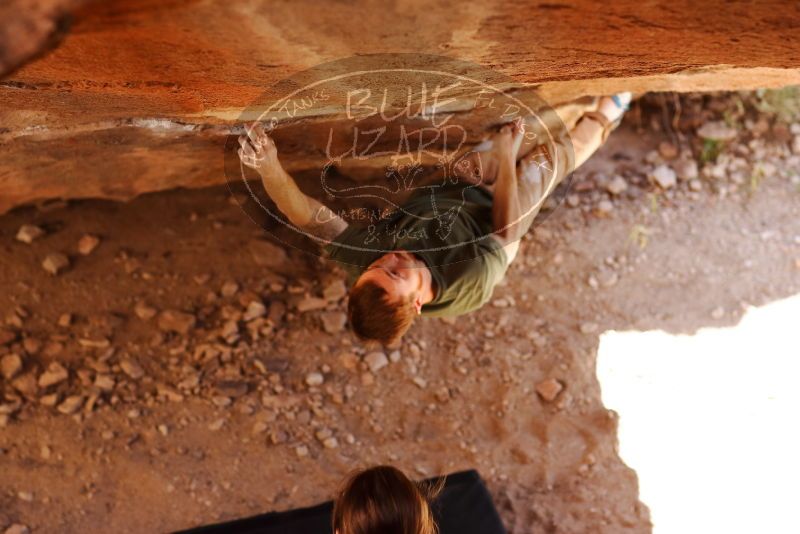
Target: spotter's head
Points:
x,y
382,500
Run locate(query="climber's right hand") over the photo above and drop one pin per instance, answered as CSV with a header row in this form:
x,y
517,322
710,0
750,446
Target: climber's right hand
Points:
x,y
257,149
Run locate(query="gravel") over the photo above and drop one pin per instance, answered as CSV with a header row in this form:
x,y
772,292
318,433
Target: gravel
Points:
x,y
144,311
10,366
7,336
376,361
617,185
717,131
229,289
55,262
333,322
334,291
314,379
254,310
131,368
685,169
29,233
71,404
87,243
55,374
549,389
664,177
176,321
311,303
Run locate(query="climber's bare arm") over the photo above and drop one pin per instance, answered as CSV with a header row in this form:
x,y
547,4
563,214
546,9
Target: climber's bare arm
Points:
x,y
258,152
506,205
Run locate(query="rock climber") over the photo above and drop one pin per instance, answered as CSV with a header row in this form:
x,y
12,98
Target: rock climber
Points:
x,y
441,254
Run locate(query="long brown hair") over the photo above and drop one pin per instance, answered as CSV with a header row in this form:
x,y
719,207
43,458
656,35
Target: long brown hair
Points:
x,y
382,500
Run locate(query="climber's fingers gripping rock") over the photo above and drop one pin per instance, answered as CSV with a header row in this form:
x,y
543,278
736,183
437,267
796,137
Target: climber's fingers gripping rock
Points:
x,y
257,149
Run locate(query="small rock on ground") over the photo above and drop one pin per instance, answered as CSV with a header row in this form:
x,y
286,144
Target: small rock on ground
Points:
x,y
71,404
55,374
664,177
6,336
216,424
573,201
254,310
796,145
604,207
685,169
65,320
549,389
311,303
315,379
28,233
25,384
333,322
55,263
717,131
617,185
144,311
132,369
176,321
334,291
229,289
667,150
10,366
376,361
104,382
87,244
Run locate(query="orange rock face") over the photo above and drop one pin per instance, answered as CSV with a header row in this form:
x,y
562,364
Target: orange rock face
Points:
x,y
141,94
29,29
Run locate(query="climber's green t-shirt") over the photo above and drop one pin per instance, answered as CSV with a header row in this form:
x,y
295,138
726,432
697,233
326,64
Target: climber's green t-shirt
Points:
x,y
449,227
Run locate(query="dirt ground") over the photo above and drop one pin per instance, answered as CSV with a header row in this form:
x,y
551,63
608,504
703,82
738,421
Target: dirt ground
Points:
x,y
203,377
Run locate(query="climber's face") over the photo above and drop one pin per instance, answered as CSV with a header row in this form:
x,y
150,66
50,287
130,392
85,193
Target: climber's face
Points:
x,y
401,274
